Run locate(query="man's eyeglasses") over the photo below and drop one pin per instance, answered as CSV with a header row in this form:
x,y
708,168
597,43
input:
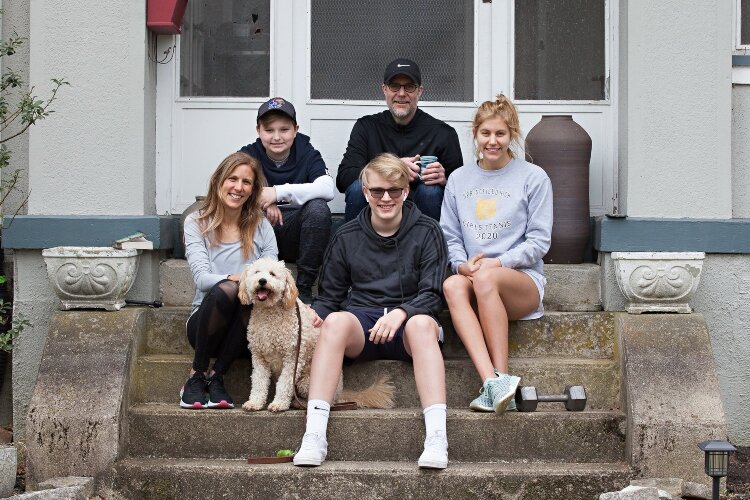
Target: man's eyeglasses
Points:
x,y
392,192
410,88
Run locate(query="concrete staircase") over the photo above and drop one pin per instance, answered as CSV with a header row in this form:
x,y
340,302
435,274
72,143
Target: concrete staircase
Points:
x,y
174,453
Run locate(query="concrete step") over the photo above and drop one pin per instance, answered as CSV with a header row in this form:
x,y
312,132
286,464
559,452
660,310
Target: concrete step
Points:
x,y
554,436
557,334
188,479
158,378
570,287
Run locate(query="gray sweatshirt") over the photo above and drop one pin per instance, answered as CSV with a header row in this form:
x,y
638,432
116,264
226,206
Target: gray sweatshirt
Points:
x,y
211,264
504,213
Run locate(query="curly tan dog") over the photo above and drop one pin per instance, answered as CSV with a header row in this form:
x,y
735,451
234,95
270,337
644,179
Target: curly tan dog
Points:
x,y
272,337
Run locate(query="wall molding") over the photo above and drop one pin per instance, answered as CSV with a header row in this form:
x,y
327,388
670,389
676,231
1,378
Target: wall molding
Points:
x,y
46,231
633,234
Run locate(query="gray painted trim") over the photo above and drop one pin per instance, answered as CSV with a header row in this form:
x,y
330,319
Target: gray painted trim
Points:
x,y
626,234
45,231
740,60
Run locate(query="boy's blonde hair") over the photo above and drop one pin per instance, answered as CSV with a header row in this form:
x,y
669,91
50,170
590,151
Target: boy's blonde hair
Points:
x,y
388,166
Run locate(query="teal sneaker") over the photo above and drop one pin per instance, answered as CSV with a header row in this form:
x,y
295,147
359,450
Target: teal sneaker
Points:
x,y
483,402
511,405
501,391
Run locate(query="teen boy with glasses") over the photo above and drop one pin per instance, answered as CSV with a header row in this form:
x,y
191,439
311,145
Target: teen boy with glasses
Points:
x,y
407,132
379,297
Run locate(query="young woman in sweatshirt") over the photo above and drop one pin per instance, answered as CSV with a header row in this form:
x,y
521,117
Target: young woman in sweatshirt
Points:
x,y
497,220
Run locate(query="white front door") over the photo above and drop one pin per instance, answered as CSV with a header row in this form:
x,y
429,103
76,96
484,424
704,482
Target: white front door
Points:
x,y
328,61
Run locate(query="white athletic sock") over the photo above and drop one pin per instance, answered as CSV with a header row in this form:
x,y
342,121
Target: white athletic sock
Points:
x,y
434,418
317,416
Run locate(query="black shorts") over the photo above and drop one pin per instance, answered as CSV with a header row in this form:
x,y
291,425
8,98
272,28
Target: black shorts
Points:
x,y
393,349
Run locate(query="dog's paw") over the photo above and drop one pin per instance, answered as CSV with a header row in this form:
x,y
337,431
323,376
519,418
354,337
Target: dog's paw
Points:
x,y
277,407
252,406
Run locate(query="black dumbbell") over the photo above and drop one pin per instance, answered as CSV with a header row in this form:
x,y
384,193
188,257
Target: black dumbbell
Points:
x,y
574,398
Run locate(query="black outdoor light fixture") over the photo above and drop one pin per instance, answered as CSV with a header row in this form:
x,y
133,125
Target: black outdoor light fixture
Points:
x,y
717,461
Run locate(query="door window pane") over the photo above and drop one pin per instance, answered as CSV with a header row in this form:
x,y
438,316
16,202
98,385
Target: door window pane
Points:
x,y
559,50
745,22
225,49
353,42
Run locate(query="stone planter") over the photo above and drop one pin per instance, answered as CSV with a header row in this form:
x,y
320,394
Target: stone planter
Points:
x,y
91,277
658,281
8,466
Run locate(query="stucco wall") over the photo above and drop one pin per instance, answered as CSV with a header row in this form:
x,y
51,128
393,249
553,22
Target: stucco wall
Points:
x,y
88,157
15,17
36,300
741,151
723,297
724,300
95,155
675,120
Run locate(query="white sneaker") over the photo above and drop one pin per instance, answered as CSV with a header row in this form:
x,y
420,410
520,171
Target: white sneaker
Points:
x,y
313,450
435,454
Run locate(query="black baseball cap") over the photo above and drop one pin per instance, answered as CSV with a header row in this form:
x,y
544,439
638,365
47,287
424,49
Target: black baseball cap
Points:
x,y
405,67
279,105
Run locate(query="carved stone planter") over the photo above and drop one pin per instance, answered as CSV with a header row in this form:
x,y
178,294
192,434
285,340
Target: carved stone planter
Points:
x,y
658,281
91,277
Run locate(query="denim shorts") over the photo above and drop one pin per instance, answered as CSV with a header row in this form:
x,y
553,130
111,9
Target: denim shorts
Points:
x,y
393,349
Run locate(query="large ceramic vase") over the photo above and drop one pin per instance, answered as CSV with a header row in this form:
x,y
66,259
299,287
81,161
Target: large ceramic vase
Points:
x,y
563,149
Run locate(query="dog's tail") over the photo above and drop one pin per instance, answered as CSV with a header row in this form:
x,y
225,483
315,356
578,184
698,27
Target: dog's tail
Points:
x,y
378,395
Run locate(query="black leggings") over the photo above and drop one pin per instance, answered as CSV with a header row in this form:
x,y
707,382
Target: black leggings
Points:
x,y
218,328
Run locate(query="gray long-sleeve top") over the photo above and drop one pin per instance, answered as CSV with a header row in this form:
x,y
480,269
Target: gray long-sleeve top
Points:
x,y
210,264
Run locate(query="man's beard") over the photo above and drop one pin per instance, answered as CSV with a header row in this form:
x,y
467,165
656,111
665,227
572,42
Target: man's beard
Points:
x,y
399,113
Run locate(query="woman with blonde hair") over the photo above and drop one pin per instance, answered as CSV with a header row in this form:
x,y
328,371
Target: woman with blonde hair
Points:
x,y
227,233
497,220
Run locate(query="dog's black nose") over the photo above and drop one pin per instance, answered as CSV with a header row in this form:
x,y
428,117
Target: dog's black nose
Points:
x,y
262,282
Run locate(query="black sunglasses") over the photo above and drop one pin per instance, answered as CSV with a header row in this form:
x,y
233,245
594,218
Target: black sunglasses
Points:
x,y
392,192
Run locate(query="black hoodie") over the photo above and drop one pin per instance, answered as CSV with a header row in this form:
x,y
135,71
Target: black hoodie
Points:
x,y
405,270
379,133
304,164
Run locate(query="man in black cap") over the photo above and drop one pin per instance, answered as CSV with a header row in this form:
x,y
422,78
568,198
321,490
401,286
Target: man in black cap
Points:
x,y
299,187
407,132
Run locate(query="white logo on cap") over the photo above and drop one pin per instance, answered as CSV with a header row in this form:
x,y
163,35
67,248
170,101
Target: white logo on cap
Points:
x,y
402,65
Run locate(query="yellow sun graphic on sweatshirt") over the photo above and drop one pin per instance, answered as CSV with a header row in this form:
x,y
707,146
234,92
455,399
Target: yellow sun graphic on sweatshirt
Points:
x,y
486,208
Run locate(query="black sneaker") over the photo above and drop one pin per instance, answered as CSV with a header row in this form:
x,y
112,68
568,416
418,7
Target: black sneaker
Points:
x,y
193,393
218,397
305,294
